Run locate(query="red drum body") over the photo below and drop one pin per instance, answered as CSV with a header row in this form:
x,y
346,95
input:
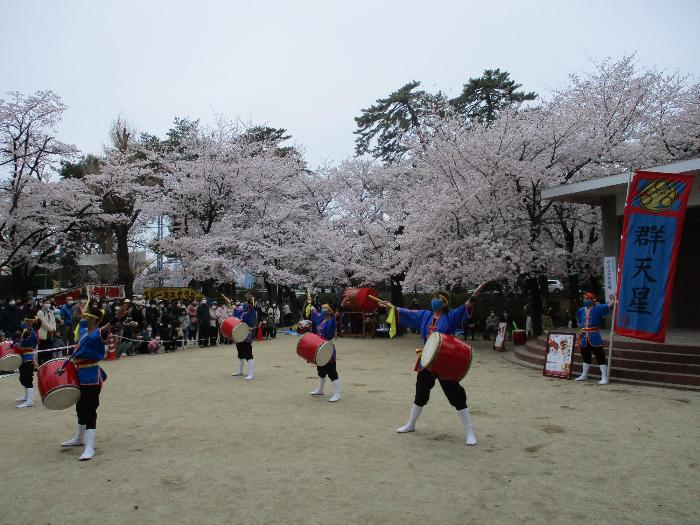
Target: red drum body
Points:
x,y
446,356
58,391
357,300
315,349
234,328
9,359
519,337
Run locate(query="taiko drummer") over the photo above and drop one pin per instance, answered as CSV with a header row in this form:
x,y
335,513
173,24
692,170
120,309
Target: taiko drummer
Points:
x,y
247,314
91,349
324,322
444,320
28,342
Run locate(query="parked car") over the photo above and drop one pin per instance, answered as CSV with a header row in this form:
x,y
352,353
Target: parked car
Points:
x,y
554,286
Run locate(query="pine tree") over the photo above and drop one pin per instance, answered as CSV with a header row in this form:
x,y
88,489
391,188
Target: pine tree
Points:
x,y
483,98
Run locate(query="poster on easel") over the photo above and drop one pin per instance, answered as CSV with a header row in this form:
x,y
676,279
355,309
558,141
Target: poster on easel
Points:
x,y
499,344
559,355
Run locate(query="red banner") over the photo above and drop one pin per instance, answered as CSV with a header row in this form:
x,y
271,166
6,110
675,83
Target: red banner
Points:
x,y
651,235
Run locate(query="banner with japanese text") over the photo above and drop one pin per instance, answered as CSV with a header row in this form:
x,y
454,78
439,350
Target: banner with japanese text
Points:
x,y
651,234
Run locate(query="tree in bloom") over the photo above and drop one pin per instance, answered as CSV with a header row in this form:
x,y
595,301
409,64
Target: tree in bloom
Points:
x,y
36,212
484,207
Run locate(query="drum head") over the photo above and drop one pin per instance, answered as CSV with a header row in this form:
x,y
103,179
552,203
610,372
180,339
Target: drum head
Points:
x,y
430,350
240,333
324,353
10,363
62,398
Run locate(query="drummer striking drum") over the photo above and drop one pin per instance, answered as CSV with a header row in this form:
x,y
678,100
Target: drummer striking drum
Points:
x,y
27,344
245,348
445,321
91,349
324,321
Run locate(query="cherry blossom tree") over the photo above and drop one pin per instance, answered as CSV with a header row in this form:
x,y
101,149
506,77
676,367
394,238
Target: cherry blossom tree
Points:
x,y
36,212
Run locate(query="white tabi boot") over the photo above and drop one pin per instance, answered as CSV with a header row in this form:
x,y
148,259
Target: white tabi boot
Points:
x,y
411,425
319,390
240,368
28,402
467,422
584,374
77,440
604,380
23,398
89,451
251,369
336,391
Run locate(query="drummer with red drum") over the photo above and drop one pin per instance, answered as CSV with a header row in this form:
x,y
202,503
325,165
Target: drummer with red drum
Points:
x,y
28,342
247,314
445,321
325,324
91,349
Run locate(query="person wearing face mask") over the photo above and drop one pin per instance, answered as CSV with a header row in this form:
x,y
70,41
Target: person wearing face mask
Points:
x,y
440,318
45,332
27,344
91,349
325,326
589,318
247,314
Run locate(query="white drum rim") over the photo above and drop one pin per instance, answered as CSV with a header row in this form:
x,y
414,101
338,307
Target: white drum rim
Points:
x,y
239,329
52,360
6,359
62,390
322,347
433,356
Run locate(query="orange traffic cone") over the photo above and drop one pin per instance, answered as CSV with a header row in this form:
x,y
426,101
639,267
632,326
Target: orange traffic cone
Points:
x,y
111,350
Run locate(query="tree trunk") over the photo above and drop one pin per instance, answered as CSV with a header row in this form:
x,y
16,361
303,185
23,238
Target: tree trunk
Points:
x,y
124,275
535,305
21,282
572,283
396,282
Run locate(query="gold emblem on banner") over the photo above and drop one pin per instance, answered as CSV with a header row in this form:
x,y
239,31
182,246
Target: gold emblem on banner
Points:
x,y
658,196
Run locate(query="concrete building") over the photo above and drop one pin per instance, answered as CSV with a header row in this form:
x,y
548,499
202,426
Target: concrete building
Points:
x,y
609,193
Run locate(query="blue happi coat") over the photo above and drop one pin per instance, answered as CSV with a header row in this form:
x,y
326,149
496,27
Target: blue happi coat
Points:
x,y
423,319
324,327
27,344
91,349
590,324
248,317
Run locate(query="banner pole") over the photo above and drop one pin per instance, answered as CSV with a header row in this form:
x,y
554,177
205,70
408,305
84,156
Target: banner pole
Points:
x,y
612,338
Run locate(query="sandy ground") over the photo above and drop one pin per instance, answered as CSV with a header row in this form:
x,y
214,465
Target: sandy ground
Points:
x,y
181,441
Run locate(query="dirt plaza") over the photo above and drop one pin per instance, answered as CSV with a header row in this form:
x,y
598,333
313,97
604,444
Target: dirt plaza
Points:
x,y
181,441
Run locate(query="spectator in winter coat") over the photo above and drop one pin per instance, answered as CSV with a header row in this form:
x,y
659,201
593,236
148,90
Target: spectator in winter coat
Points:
x,y
67,316
193,322
203,322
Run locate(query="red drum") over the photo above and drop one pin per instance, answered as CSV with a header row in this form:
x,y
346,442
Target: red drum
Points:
x,y
58,391
446,356
234,328
315,349
357,300
519,337
9,359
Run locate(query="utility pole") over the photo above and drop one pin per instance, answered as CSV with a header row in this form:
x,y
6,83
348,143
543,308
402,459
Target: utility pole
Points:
x,y
159,255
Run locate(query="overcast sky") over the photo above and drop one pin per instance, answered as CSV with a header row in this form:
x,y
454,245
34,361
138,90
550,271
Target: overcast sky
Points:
x,y
310,65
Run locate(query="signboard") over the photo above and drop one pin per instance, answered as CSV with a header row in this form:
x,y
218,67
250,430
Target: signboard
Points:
x,y
499,344
610,276
559,355
105,291
170,293
651,235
